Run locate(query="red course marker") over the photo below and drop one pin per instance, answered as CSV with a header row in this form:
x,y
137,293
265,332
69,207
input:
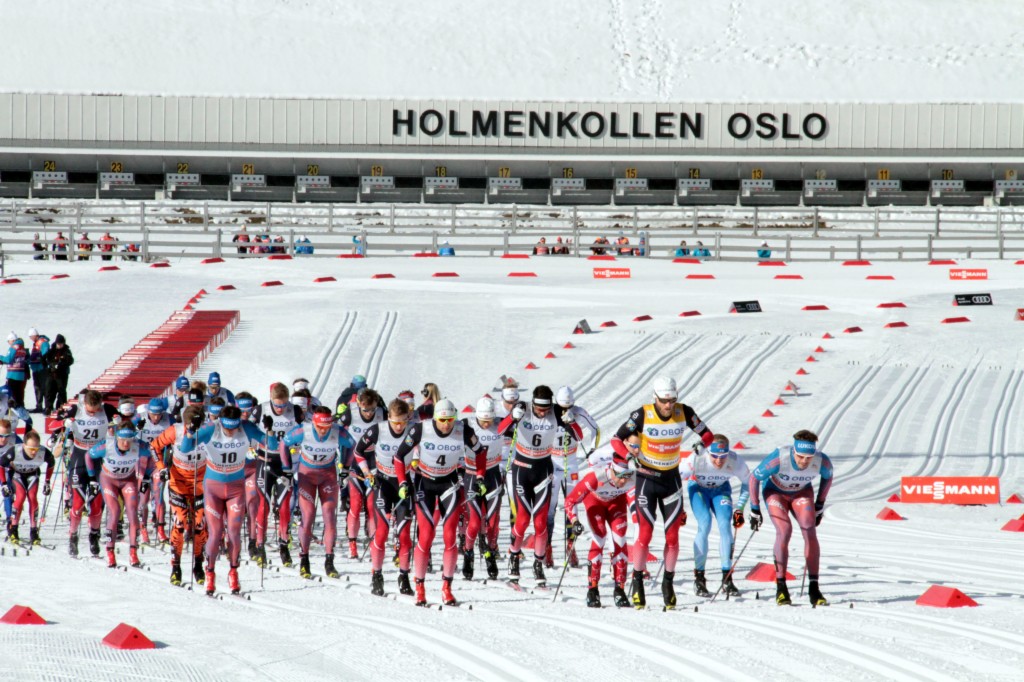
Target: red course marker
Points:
x,y
944,598
127,637
273,283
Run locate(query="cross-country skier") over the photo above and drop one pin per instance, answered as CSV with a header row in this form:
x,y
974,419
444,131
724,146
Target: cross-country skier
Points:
x,y
603,491
247,403
788,476
121,459
443,443
89,423
365,412
374,455
661,425
484,512
566,456
185,472
316,446
534,434
156,420
710,495
224,446
19,473
276,418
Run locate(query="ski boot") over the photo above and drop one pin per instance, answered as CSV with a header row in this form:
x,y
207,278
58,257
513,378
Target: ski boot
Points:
x,y
492,563
133,557
728,586
94,542
111,559
197,569
33,536
446,592
782,593
120,529
261,556
144,532
12,534
175,571
636,589
377,584
574,561
619,595
593,598
397,559
353,549
467,564
329,570
700,584
421,593
668,591
538,573
233,580
817,598
403,583
211,580
513,566
286,557
549,557
252,549
161,534
73,545
304,571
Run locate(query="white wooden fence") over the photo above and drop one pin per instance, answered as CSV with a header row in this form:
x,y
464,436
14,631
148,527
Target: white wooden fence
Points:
x,y
162,230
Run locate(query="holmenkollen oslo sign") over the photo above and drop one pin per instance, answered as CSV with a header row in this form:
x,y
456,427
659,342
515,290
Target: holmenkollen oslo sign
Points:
x,y
573,123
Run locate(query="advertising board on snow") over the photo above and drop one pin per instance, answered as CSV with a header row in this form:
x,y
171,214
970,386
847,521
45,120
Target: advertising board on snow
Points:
x,y
968,273
949,489
611,273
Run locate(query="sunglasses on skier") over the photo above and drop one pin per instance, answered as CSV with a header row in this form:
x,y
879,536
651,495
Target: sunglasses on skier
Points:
x,y
6,435
281,405
444,420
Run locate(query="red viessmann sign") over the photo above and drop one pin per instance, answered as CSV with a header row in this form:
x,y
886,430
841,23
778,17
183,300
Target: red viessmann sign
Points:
x,y
611,273
950,489
968,273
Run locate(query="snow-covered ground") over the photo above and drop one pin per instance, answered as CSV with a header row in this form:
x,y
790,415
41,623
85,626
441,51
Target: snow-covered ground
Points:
x,y
603,50
930,398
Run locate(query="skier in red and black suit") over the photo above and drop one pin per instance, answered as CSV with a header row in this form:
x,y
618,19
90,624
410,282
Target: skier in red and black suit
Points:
x,y
442,448
532,470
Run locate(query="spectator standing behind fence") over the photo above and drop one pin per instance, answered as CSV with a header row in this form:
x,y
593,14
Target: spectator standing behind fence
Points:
x,y
239,239
358,246
446,250
764,253
58,367
701,251
682,251
107,246
560,248
541,247
60,247
600,246
304,247
623,245
38,247
84,246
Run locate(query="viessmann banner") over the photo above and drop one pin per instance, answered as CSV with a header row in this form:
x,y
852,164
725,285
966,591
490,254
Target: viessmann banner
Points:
x,y
950,489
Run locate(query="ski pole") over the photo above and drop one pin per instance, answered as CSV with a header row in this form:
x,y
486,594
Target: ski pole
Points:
x,y
804,578
565,567
46,500
734,564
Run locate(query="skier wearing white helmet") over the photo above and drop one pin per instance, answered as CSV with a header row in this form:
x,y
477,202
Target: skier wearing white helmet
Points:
x,y
483,511
443,443
661,425
566,458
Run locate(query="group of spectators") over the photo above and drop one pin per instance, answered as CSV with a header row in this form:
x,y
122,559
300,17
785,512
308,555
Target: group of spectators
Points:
x,y
48,365
764,252
264,244
107,246
621,247
559,248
